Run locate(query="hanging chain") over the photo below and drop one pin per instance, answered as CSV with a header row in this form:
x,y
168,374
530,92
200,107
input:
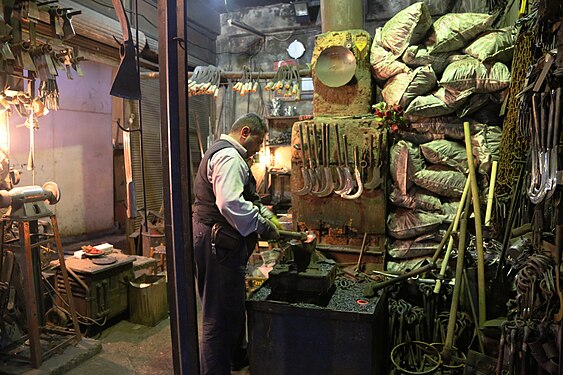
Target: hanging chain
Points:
x,y
514,144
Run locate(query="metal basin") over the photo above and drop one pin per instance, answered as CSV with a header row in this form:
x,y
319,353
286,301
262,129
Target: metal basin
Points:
x,y
336,66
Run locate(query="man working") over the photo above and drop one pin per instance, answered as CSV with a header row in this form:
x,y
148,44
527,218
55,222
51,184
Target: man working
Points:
x,y
227,217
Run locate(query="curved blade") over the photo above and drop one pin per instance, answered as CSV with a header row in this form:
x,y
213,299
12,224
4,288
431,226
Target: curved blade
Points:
x,y
341,180
306,183
552,183
349,185
375,180
360,186
329,185
314,183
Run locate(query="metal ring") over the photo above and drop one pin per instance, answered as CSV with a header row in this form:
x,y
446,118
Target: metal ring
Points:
x,y
418,345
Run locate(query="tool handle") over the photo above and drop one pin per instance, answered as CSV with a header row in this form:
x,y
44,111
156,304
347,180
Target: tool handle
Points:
x,y
316,145
327,144
302,236
371,161
346,161
408,275
309,147
302,145
557,120
337,138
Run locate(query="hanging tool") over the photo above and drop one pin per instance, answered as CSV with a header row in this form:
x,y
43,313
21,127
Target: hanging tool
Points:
x,y
327,175
129,182
342,182
358,176
126,83
317,170
350,183
555,119
376,179
306,178
315,184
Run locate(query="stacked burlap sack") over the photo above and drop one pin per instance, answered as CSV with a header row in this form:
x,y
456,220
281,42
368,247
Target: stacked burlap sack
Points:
x,y
443,73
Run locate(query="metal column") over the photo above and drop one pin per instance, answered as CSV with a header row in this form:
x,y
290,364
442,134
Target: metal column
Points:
x,y
172,17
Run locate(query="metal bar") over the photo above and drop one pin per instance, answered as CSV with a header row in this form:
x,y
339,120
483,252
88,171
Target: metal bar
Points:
x,y
375,286
478,226
490,198
234,75
32,318
449,342
362,249
69,297
176,185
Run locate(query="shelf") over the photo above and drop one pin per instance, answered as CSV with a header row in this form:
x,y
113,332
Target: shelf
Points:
x,y
278,145
279,173
282,117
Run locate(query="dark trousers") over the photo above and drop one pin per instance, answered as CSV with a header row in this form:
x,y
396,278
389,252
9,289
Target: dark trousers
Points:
x,y
220,279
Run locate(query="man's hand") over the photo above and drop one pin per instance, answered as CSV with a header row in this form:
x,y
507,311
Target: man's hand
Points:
x,y
271,233
266,213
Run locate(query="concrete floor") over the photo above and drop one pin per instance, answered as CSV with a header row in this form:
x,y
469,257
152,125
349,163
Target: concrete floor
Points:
x,y
129,348
121,349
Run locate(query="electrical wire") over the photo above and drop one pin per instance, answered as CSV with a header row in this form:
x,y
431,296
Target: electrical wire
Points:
x,y
86,320
130,11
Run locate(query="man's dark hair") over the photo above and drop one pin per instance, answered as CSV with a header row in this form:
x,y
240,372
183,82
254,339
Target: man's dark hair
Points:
x,y
256,124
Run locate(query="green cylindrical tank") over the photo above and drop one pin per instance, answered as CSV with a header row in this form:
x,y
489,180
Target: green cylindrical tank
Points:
x,y
339,15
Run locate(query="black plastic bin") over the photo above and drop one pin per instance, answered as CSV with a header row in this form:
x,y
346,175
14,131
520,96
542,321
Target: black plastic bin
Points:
x,y
347,337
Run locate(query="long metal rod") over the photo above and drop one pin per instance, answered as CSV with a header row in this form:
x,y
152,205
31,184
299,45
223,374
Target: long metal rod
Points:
x,y
449,343
172,16
478,226
141,141
234,75
446,259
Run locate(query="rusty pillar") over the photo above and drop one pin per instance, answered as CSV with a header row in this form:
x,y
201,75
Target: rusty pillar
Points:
x,y
339,15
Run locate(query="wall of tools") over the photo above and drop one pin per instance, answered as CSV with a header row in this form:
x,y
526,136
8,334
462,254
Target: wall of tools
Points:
x,y
52,102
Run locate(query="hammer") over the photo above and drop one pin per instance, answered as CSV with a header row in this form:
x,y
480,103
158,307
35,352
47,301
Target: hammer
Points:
x,y
301,236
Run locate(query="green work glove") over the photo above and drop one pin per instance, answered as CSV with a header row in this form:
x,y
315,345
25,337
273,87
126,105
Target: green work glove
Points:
x,y
266,213
271,233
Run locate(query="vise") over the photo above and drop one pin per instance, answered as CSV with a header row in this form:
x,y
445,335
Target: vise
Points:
x,y
302,274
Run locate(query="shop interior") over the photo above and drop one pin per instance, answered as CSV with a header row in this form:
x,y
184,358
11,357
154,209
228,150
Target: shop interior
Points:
x,y
411,158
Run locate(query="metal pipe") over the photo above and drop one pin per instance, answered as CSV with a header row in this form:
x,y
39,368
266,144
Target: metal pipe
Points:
x,y
478,226
491,196
234,75
449,342
244,26
340,15
176,186
374,287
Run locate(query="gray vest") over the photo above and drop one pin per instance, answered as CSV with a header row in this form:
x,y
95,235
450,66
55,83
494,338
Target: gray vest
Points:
x,y
205,210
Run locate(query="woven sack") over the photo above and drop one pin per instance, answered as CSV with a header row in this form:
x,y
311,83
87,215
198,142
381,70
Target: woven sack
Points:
x,y
409,26
454,31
